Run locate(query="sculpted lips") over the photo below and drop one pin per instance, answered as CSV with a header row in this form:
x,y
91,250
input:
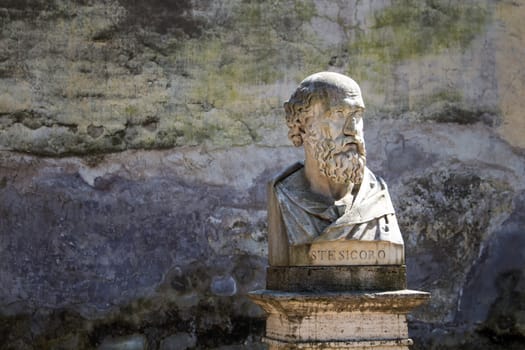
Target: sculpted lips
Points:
x,y
350,146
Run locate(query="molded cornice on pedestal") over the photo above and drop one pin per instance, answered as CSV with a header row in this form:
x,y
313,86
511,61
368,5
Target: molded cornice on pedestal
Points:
x,y
290,304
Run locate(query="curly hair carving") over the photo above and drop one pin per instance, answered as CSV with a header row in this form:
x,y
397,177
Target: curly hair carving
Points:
x,y
334,90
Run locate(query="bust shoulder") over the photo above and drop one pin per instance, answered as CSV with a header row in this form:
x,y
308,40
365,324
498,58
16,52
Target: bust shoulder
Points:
x,y
287,172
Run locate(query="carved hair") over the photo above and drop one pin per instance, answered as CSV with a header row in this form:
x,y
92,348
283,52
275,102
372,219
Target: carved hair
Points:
x,y
334,90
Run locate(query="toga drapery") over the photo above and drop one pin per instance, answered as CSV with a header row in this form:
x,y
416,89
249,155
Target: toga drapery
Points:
x,y
308,217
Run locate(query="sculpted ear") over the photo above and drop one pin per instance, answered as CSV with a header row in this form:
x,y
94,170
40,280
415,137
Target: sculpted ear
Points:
x,y
294,134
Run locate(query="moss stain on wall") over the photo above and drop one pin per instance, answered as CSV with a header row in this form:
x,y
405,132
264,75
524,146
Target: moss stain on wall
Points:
x,y
412,30
208,73
234,65
202,70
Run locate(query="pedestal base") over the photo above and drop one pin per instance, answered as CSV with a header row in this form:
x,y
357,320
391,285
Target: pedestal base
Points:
x,y
352,345
338,320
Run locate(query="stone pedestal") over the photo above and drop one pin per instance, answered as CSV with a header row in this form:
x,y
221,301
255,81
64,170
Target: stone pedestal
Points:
x,y
337,307
338,320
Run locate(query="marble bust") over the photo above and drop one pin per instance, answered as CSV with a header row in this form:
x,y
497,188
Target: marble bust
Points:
x,y
331,210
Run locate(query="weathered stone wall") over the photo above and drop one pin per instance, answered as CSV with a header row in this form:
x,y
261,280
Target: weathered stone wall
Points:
x,y
136,138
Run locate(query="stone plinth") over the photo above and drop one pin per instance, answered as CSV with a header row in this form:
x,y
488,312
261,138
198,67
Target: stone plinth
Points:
x,y
336,278
338,320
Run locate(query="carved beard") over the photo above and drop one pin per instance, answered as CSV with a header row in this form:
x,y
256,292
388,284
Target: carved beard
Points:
x,y
340,166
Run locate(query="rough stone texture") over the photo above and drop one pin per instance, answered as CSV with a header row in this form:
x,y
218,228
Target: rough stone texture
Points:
x,y
136,139
180,341
133,342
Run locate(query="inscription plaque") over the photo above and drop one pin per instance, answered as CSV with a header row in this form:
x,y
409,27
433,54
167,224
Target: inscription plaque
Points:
x,y
348,253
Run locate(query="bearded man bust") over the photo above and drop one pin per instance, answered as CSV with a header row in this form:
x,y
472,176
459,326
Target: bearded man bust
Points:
x,y
332,210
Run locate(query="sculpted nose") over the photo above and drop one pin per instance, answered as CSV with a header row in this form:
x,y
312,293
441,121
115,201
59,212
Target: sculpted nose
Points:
x,y
350,127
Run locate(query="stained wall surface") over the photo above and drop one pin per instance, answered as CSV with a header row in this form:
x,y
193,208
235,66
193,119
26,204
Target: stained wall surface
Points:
x,y
136,139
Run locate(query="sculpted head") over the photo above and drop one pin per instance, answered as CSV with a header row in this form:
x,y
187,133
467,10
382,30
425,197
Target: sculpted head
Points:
x,y
325,115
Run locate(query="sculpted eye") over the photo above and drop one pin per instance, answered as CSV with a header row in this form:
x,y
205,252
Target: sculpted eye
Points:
x,y
337,114
357,114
